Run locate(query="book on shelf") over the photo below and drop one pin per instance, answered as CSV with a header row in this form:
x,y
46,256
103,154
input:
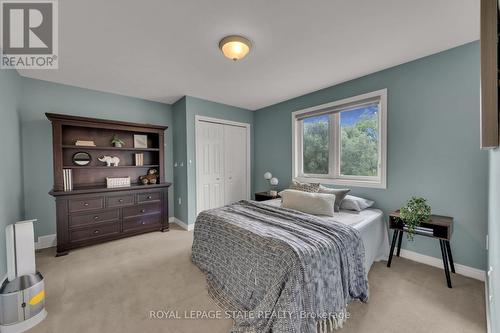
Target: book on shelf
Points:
x,y
112,182
139,159
67,179
88,143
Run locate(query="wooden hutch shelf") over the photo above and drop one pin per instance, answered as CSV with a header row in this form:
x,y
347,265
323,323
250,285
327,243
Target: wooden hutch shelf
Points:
x,y
106,167
90,213
108,148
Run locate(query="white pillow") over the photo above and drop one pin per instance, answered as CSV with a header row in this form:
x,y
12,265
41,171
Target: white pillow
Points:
x,y
351,202
306,202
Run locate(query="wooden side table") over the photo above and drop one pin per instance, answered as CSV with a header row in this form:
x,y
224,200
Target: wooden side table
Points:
x,y
439,227
263,196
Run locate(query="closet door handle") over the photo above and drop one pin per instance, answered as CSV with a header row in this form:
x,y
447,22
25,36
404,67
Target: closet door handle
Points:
x,y
217,178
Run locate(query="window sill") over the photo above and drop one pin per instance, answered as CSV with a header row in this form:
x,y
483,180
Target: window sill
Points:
x,y
343,182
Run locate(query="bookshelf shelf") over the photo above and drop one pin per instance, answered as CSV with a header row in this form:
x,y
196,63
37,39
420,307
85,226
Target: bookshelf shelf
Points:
x,y
108,148
111,167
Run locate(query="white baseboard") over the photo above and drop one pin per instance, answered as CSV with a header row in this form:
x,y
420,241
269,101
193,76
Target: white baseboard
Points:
x,y
471,272
183,225
46,241
488,305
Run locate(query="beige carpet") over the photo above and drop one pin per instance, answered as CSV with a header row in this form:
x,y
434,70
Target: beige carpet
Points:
x,y
113,287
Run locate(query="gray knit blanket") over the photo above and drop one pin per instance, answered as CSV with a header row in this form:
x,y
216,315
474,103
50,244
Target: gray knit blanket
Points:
x,y
278,270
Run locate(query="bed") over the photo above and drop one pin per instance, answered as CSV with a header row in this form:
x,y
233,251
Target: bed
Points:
x,y
279,270
370,223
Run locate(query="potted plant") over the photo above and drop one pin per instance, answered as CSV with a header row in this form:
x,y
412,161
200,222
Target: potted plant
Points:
x,y
415,211
117,142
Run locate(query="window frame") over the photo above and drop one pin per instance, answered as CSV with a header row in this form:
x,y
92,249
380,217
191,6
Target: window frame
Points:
x,y
334,177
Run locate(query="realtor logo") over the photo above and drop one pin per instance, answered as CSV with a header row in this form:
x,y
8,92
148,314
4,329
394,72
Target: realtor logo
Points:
x,y
29,34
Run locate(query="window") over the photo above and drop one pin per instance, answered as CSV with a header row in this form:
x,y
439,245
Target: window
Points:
x,y
343,142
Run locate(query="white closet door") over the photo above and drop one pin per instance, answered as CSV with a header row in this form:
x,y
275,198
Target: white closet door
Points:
x,y
210,164
235,148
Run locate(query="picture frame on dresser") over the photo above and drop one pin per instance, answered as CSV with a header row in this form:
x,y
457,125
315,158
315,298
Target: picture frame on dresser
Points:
x,y
91,212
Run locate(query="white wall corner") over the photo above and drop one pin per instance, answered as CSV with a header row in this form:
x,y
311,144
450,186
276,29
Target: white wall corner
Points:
x,y
183,225
46,241
471,272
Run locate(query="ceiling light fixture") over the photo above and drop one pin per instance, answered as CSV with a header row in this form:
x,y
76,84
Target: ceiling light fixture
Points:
x,y
235,47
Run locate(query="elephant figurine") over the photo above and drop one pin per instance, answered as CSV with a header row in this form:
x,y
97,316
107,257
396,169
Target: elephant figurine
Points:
x,y
109,160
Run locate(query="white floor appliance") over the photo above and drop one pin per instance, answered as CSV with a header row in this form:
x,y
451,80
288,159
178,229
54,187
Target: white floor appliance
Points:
x,y
22,293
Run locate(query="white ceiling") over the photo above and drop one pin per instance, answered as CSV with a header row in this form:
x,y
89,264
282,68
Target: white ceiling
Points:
x,y
162,50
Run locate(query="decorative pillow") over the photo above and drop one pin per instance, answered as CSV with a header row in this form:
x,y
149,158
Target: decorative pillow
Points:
x,y
305,187
307,202
339,193
351,202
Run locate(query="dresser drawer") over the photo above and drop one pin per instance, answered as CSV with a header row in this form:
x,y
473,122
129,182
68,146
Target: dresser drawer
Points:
x,y
139,222
97,217
94,232
120,201
79,205
142,210
148,197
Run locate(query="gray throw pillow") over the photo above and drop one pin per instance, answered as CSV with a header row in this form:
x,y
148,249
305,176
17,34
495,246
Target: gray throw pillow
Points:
x,y
305,187
356,203
339,193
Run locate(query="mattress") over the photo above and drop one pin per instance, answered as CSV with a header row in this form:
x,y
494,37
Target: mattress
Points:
x,y
371,226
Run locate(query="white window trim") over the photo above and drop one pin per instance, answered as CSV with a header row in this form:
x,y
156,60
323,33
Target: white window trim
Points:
x,y
356,181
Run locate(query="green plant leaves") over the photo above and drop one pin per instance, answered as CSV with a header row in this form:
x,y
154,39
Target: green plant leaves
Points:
x,y
413,213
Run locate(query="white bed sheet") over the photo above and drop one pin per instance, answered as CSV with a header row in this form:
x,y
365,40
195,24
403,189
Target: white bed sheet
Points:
x,y
370,224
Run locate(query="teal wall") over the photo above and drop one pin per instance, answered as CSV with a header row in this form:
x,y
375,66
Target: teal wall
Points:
x,y
180,157
40,97
11,180
190,107
494,239
433,144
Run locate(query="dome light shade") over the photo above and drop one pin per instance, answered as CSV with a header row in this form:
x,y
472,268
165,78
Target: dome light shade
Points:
x,y
268,175
235,47
274,181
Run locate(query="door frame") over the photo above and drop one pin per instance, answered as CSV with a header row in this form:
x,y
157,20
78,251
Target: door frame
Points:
x,y
247,126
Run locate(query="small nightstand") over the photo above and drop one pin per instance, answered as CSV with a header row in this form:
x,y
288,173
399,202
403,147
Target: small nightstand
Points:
x,y
263,196
439,227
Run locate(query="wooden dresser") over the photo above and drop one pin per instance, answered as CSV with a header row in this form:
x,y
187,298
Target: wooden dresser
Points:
x,y
90,212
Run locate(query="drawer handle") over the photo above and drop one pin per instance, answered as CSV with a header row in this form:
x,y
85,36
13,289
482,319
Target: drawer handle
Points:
x,y
120,200
143,210
96,231
86,204
149,197
96,217
143,222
